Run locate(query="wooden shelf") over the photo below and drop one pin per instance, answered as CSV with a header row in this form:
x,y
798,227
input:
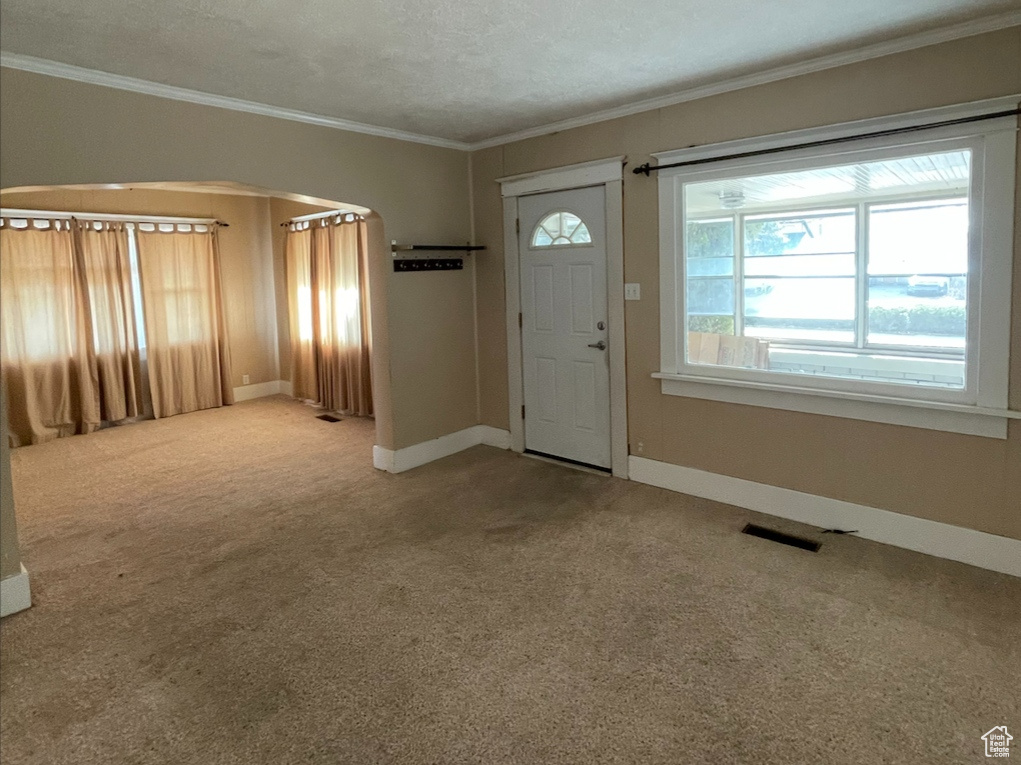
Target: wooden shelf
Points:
x,y
394,247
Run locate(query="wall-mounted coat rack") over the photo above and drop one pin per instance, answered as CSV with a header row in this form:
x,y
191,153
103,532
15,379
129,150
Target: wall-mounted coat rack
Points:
x,y
428,264
413,257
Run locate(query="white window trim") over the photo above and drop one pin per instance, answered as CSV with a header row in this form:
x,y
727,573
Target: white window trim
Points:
x,y
980,410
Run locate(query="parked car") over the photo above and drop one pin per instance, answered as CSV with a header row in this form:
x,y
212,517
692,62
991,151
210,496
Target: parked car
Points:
x,y
928,285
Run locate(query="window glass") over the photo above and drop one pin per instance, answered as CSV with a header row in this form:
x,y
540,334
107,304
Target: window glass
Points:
x,y
918,274
560,229
799,276
854,271
710,269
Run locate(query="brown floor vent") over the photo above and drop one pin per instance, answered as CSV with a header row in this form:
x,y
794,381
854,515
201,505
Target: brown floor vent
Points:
x,y
778,536
328,418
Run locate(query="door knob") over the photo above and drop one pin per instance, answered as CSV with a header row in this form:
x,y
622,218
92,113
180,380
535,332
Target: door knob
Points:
x,y
600,345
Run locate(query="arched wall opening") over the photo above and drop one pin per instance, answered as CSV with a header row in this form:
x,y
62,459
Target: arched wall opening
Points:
x,y
59,132
252,264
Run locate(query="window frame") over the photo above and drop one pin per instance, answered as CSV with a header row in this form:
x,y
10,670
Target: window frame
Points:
x,y
990,242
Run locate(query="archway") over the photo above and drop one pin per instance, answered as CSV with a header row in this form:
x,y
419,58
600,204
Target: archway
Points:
x,y
253,249
222,198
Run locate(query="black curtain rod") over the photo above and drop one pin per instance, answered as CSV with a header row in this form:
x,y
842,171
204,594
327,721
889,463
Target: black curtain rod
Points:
x,y
646,169
325,217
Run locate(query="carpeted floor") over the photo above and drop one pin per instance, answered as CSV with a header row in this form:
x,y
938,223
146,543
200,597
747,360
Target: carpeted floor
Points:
x,y
240,586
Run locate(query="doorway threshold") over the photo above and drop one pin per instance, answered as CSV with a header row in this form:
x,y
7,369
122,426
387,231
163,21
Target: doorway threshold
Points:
x,y
565,462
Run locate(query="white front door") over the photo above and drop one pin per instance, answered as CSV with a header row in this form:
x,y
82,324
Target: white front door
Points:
x,y
562,251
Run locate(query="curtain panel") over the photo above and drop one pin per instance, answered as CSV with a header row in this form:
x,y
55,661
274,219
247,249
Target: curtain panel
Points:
x,y
327,277
69,354
106,263
185,325
298,255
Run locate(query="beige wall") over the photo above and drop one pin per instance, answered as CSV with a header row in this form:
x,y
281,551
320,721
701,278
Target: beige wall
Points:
x,y
246,256
442,346
59,132
957,479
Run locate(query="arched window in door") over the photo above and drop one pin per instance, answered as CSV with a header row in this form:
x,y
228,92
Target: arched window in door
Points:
x,y
560,229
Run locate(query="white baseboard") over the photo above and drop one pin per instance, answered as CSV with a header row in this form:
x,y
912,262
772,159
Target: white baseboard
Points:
x,y
412,456
977,548
261,390
491,436
383,459
15,593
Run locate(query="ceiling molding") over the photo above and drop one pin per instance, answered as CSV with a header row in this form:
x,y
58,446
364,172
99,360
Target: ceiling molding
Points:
x,y
877,50
135,85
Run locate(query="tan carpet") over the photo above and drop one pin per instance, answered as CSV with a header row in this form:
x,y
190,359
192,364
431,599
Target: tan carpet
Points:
x,y
240,586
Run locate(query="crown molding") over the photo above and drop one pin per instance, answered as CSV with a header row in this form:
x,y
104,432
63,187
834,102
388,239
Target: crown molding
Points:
x,y
876,50
146,87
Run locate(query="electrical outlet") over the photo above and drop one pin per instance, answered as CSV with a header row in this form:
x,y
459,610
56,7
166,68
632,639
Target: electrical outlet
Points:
x,y
633,291
245,379
641,447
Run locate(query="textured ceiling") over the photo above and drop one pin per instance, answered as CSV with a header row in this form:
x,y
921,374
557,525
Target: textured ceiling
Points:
x,y
453,69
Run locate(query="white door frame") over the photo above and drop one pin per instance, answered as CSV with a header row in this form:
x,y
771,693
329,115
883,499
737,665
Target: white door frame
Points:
x,y
609,174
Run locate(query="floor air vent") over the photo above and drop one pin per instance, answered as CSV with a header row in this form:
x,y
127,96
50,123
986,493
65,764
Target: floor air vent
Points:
x,y
327,418
778,536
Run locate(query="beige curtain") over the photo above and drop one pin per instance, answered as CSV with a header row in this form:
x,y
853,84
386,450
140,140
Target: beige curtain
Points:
x,y
70,349
185,326
298,252
106,263
327,271
51,385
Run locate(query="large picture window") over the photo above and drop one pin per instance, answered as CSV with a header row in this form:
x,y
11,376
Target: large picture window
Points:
x,y
877,271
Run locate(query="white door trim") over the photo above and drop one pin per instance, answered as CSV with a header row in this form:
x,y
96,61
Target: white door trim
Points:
x,y
607,173
561,178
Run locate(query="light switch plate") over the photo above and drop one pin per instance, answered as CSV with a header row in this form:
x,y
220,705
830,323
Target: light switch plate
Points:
x,y
633,291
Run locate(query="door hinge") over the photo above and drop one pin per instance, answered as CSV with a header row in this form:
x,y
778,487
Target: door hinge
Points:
x,y
521,321
522,411
517,225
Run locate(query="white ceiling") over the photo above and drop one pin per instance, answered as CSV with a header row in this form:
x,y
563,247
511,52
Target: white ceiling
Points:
x,y
459,70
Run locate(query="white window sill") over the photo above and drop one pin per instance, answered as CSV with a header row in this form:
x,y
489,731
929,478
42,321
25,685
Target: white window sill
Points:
x,y
953,418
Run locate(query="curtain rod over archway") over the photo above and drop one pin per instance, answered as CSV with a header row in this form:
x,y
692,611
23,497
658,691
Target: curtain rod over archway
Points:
x,y
321,215
647,168
66,215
